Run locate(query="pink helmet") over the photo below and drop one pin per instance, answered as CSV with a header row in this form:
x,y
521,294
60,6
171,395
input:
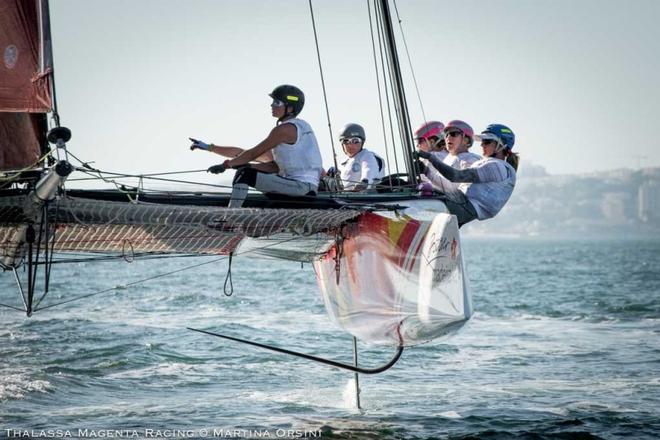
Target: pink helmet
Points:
x,y
460,125
430,129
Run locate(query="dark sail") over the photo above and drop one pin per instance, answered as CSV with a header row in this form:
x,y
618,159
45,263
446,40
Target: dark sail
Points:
x,y
25,81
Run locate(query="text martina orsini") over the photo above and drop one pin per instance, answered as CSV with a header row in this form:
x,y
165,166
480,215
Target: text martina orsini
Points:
x,y
163,433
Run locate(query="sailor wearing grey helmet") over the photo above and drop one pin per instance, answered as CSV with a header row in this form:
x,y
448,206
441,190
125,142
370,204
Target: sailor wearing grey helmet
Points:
x,y
486,185
289,159
362,168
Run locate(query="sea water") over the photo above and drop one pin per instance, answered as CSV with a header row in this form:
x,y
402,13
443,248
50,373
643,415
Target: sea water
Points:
x,y
565,343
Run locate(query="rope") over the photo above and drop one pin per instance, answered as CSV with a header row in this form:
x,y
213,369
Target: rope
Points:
x,y
412,71
228,278
325,96
18,172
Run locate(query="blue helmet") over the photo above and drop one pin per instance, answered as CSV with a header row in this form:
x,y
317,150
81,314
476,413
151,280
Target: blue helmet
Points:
x,y
503,133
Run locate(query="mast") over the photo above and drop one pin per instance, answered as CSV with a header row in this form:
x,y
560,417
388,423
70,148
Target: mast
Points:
x,y
400,103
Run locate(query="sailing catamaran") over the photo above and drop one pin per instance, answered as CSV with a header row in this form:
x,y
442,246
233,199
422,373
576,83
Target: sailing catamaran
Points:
x,y
389,264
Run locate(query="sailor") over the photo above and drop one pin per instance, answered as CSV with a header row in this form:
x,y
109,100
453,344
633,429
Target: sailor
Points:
x,y
290,159
458,137
363,169
429,137
486,185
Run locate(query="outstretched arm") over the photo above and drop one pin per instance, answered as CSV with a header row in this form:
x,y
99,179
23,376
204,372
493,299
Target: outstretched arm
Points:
x,y
226,151
232,152
282,134
468,175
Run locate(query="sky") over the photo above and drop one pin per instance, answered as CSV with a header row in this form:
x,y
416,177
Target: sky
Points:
x,y
575,80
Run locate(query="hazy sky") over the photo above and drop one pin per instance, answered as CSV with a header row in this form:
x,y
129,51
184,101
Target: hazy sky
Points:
x,y
576,80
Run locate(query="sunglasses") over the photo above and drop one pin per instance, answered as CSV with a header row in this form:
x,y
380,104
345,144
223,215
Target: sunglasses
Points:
x,y
453,133
277,103
487,141
352,141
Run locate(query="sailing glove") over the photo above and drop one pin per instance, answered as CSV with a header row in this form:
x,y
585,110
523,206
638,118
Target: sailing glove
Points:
x,y
199,144
219,168
420,168
423,154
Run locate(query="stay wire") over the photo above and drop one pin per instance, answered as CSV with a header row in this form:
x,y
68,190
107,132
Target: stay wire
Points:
x,y
127,176
325,96
12,307
383,60
44,9
380,97
78,298
412,70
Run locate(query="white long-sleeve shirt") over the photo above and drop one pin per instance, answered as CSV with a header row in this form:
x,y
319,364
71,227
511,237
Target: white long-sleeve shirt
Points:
x,y
364,165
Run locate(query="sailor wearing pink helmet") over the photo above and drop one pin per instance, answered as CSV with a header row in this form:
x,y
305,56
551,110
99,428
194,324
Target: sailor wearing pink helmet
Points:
x,y
459,137
429,138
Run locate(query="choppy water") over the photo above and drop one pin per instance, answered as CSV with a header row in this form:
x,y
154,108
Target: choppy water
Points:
x,y
565,344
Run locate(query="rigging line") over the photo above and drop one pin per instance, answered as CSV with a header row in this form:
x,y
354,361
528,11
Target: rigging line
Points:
x,y
18,172
381,43
86,165
392,86
117,187
160,275
129,284
99,254
140,256
11,307
43,225
148,175
48,258
380,97
127,176
412,71
228,278
187,182
403,117
45,9
325,96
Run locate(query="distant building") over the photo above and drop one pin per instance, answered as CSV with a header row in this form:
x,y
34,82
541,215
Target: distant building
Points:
x,y
648,198
615,207
528,169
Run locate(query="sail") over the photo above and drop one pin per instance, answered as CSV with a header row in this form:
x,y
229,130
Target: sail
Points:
x,y
25,81
396,281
